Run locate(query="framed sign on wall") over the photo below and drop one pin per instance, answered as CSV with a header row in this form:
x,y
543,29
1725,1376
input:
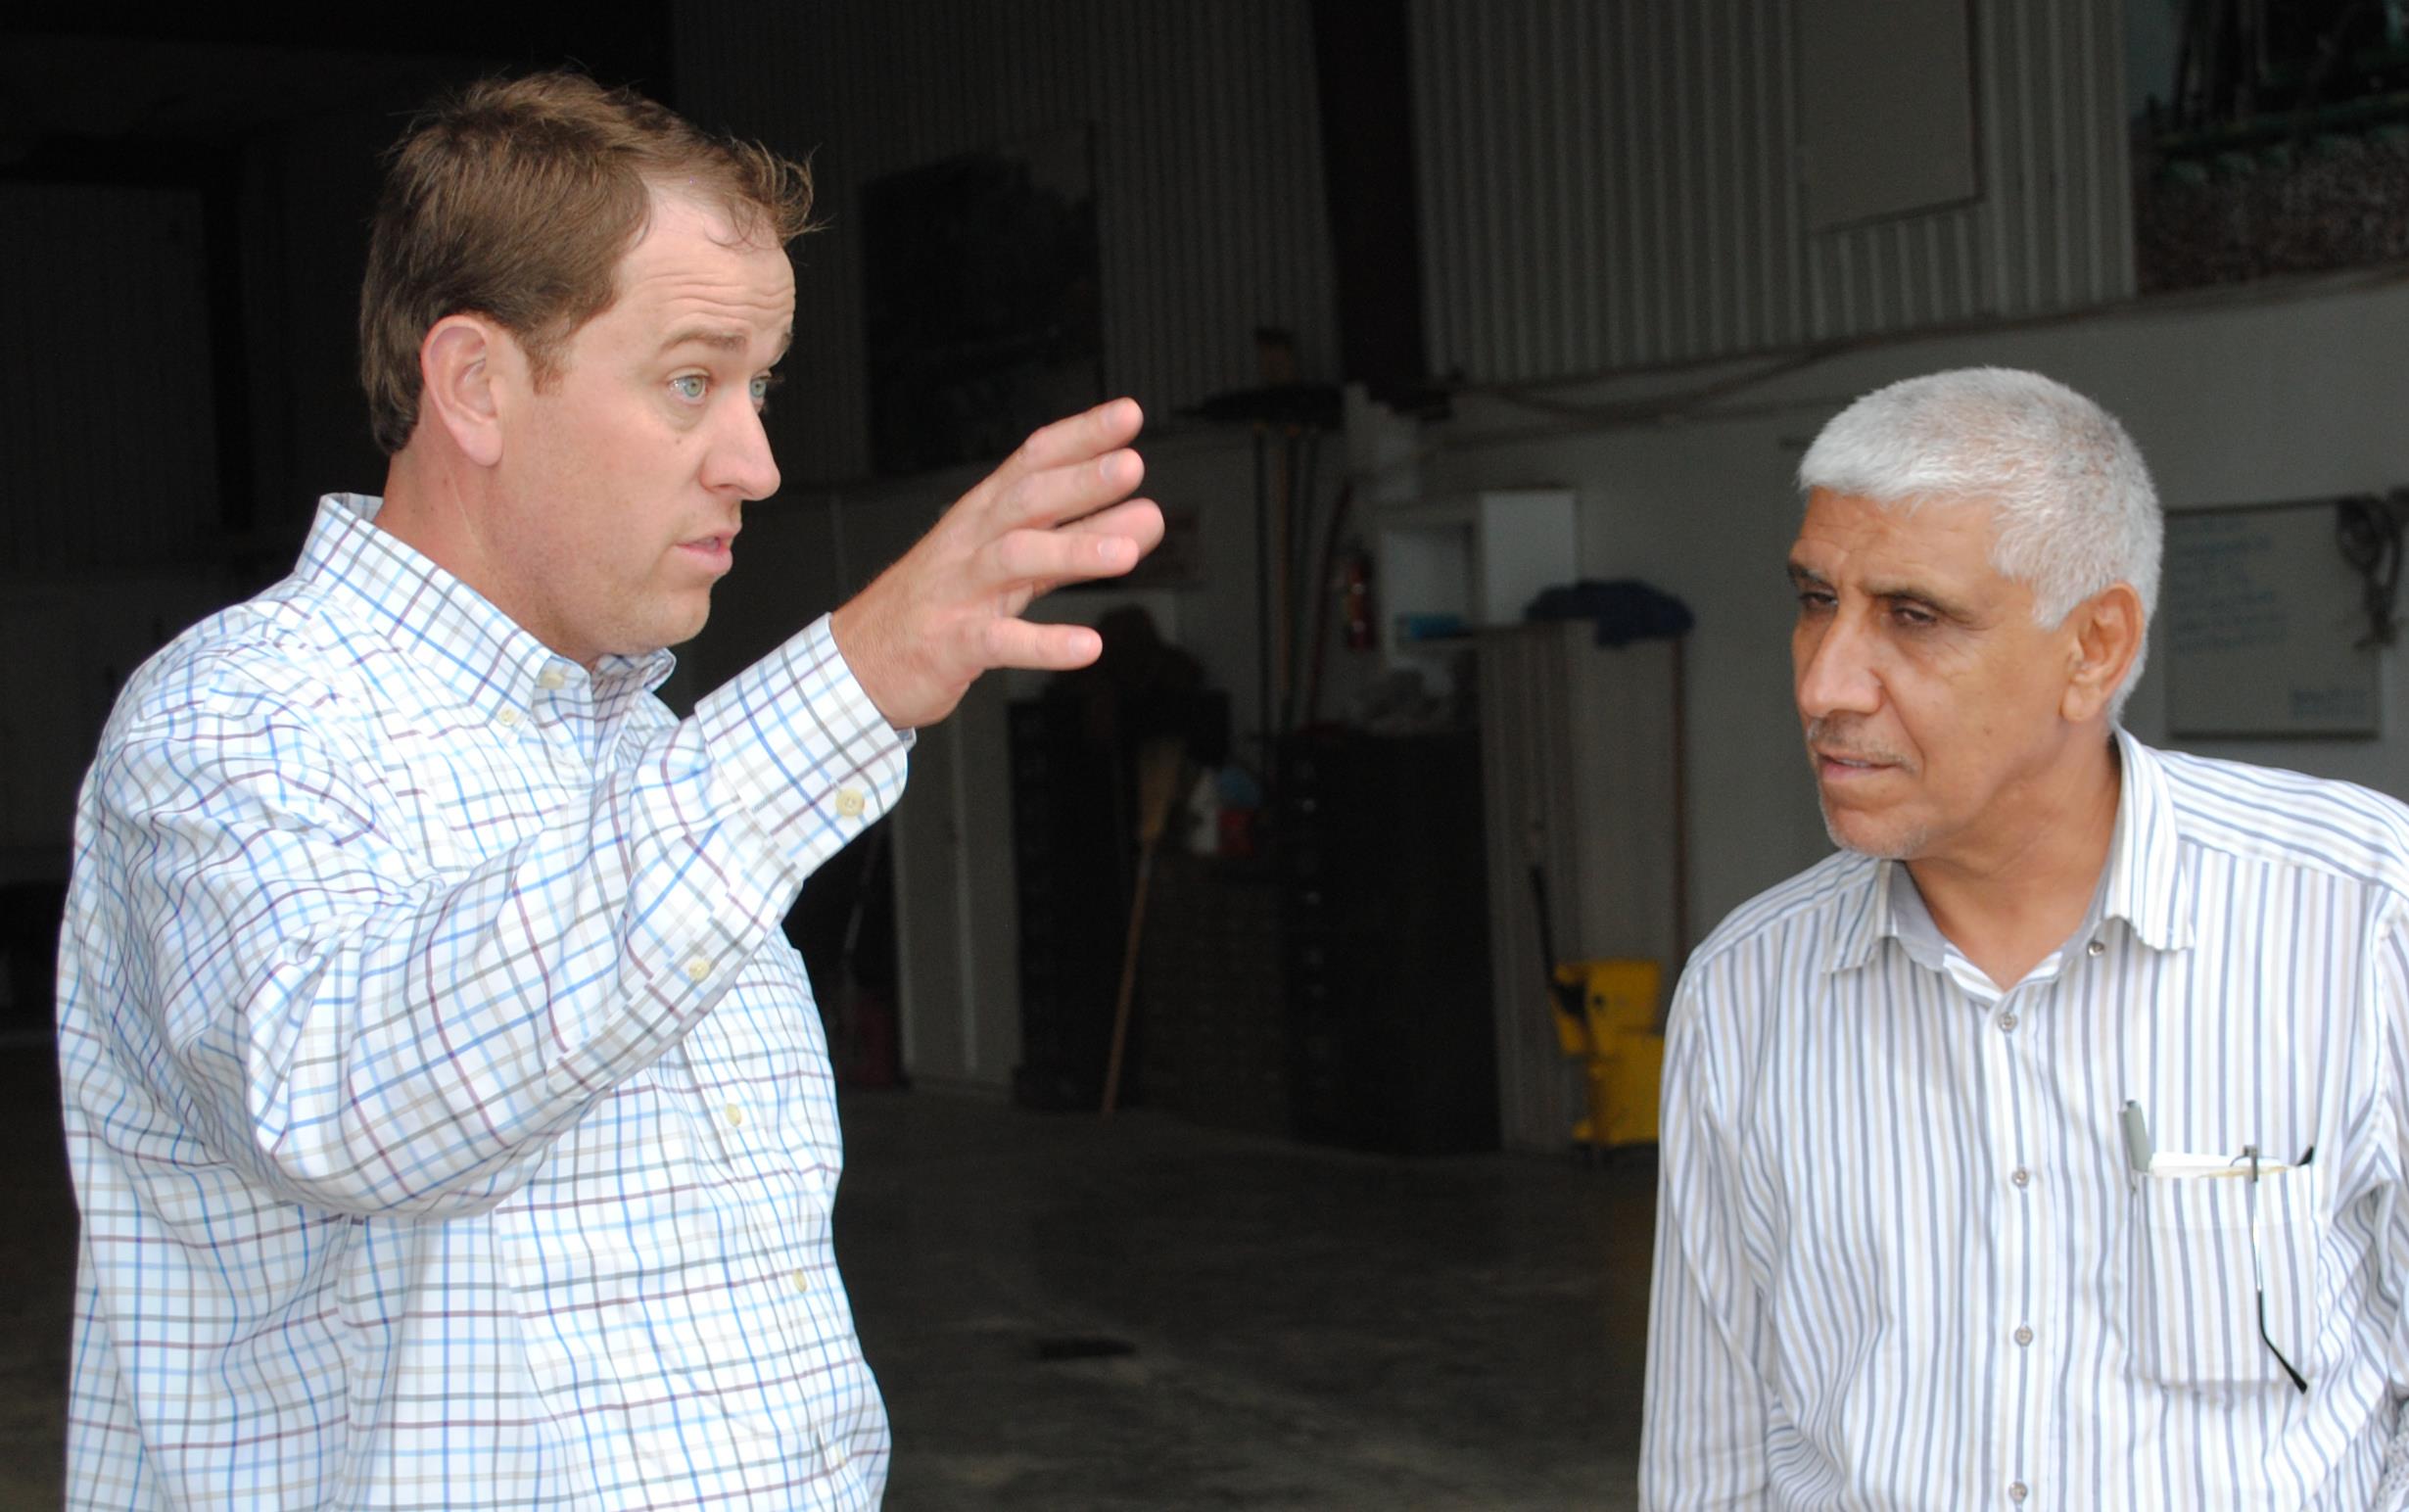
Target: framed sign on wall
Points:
x,y
2268,629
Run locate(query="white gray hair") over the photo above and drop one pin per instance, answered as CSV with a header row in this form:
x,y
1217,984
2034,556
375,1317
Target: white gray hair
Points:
x,y
2071,503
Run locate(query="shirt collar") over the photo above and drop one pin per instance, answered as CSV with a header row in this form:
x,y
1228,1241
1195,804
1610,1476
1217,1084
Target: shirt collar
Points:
x,y
476,649
1863,915
2146,885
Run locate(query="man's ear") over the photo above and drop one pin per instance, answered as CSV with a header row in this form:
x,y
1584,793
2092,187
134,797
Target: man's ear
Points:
x,y
457,378
2107,636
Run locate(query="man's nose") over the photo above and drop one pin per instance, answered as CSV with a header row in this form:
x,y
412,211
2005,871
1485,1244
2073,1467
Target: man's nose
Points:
x,y
1835,669
740,460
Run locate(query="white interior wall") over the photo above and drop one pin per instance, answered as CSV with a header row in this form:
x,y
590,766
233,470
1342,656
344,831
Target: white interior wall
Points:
x,y
2287,392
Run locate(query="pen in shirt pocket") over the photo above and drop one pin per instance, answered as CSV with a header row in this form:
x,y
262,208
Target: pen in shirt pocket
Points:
x,y
2137,1138
2138,1149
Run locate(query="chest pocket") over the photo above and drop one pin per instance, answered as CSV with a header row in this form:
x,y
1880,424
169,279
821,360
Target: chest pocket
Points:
x,y
2207,1249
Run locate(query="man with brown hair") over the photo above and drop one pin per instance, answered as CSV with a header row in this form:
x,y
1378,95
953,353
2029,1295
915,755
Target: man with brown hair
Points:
x,y
451,1122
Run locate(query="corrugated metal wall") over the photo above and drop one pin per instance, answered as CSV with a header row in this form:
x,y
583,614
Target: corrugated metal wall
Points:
x,y
1209,179
119,327
1608,185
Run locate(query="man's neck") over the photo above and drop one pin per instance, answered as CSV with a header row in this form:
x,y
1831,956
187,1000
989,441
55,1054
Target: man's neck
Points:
x,y
2006,911
423,508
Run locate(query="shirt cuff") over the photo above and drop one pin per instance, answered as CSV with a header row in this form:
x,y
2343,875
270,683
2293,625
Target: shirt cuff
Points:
x,y
800,744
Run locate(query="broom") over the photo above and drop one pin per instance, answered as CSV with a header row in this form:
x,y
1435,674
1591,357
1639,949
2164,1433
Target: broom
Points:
x,y
1158,768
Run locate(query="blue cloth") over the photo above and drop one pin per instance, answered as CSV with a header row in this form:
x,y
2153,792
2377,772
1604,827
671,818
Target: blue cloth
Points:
x,y
1623,610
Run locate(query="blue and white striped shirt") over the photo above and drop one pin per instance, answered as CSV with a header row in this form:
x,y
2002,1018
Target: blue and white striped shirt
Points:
x,y
451,1120
1902,1258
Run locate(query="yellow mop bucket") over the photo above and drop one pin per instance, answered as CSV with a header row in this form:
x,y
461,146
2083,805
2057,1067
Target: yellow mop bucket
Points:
x,y
1614,1035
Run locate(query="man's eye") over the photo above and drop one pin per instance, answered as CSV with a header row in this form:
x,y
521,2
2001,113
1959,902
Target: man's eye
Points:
x,y
761,390
689,386
1913,617
1812,600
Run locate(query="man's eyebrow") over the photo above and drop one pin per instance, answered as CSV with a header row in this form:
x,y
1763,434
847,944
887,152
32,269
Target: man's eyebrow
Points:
x,y
1916,594
722,339
1803,576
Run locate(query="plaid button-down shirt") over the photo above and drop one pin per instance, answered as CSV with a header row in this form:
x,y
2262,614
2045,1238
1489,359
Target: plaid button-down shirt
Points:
x,y
451,1120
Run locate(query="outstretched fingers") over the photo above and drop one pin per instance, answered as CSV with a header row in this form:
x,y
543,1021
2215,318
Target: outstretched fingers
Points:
x,y
1068,444
1135,519
1036,558
1057,496
1039,647
1059,510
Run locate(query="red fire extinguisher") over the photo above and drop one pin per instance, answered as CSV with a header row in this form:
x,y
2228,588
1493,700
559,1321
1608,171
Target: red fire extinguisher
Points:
x,y
1355,596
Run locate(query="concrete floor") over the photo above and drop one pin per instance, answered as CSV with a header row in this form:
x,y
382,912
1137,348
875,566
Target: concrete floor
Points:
x,y
1309,1329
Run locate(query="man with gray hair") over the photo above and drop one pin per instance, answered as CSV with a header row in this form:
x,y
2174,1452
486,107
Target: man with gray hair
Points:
x,y
2046,1145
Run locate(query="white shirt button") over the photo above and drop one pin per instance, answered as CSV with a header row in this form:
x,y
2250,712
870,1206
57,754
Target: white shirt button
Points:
x,y
2016,1491
831,1458
697,968
735,1115
509,717
2006,1023
552,679
2096,948
2021,1177
802,1280
850,802
2024,1334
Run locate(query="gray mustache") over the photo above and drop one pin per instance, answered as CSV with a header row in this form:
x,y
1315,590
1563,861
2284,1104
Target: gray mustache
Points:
x,y
1832,738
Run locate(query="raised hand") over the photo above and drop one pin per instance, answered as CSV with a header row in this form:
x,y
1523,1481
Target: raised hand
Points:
x,y
1058,511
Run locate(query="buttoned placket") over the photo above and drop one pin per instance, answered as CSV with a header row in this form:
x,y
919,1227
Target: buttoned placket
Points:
x,y
744,1140
572,711
2026,1322
2008,1069
566,717
2030,1318
551,717
746,1135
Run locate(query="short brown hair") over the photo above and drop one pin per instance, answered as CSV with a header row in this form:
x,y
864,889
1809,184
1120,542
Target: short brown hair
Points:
x,y
515,200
